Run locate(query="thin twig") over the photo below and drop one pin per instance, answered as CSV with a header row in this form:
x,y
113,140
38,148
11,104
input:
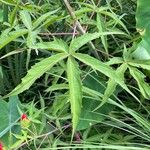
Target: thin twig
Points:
x,y
93,13
74,30
80,28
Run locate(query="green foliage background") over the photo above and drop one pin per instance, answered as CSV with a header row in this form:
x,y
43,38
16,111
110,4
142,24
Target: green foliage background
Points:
x,y
79,70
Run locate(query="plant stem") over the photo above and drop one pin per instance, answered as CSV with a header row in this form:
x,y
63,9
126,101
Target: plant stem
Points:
x,y
80,28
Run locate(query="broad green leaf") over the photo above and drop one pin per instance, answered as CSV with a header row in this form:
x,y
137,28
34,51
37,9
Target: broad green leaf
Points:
x,y
143,86
4,40
13,109
35,72
26,19
88,117
3,116
95,82
9,114
101,28
87,37
103,68
75,90
142,14
143,50
143,27
56,45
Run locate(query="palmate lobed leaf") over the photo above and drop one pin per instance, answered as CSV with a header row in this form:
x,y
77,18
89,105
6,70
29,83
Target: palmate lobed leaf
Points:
x,y
98,65
75,90
37,71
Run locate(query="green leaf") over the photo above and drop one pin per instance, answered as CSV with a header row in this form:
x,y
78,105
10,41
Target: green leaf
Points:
x,y
143,27
142,14
98,65
13,109
145,64
112,84
5,39
3,116
13,13
56,45
93,83
9,114
82,40
103,68
139,77
87,37
1,15
43,18
35,72
8,2
57,87
26,19
115,18
75,90
31,38
115,60
141,53
59,104
101,28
